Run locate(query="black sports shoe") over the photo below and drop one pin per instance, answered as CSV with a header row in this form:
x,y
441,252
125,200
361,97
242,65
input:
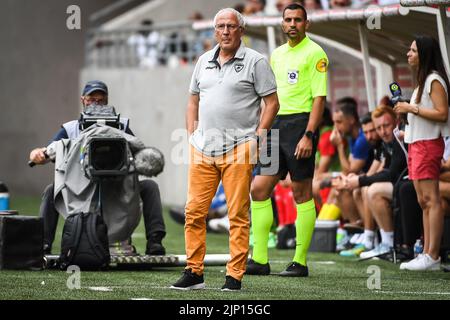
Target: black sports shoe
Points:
x,y
155,249
189,281
231,284
295,269
257,269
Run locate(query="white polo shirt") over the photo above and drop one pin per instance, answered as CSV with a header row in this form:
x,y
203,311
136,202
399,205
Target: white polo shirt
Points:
x,y
230,98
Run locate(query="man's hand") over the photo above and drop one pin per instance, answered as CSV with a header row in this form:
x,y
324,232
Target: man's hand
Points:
x,y
346,182
304,148
38,156
338,183
336,138
352,181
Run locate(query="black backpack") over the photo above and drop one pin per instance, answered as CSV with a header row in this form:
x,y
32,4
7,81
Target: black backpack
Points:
x,y
85,242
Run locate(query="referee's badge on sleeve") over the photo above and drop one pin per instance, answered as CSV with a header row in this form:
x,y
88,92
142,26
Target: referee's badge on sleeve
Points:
x,y
322,65
292,76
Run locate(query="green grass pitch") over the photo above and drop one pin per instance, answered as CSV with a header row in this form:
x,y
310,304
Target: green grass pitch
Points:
x,y
331,276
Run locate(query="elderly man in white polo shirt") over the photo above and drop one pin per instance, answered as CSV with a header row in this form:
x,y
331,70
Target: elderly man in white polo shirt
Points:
x,y
224,122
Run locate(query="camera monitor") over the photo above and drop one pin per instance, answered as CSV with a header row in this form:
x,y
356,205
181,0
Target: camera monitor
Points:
x,y
99,114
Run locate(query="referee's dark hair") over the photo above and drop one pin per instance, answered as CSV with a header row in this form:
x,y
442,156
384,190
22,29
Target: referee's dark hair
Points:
x,y
367,118
296,6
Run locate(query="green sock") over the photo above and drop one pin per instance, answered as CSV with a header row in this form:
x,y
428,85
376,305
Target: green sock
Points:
x,y
306,220
262,219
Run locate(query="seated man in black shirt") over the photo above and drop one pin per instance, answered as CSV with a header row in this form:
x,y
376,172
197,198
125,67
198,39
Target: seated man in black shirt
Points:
x,y
381,184
367,223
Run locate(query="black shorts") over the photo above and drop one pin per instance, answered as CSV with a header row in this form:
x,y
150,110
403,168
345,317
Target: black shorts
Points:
x,y
290,129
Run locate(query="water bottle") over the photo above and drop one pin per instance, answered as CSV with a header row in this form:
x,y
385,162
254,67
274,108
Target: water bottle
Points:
x,y
418,248
4,197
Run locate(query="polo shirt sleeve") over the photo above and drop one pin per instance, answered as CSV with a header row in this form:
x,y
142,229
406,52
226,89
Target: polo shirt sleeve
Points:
x,y
360,149
194,86
264,78
319,72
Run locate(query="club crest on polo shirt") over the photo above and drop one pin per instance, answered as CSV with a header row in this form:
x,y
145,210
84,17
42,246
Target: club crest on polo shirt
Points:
x,y
238,67
292,76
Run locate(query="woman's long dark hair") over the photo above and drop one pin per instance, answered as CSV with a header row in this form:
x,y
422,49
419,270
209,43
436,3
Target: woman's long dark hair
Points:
x,y
430,59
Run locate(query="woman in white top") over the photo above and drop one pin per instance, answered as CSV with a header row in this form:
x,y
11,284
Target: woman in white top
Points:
x,y
428,123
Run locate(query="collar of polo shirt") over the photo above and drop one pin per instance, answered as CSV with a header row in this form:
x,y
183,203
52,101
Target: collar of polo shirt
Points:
x,y
240,53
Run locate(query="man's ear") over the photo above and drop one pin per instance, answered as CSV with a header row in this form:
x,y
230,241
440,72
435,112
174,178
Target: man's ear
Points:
x,y
307,24
282,27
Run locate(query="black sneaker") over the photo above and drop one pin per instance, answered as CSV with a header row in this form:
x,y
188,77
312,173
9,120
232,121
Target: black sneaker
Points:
x,y
295,269
155,249
231,284
189,281
257,269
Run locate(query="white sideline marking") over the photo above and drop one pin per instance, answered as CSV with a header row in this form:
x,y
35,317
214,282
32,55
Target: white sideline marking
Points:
x,y
163,288
141,299
412,292
105,289
138,235
322,262
309,262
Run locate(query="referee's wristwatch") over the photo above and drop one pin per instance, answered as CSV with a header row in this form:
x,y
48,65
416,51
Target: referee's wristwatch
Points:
x,y
309,134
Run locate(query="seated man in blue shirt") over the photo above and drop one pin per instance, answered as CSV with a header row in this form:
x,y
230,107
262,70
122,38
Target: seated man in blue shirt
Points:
x,y
96,92
347,126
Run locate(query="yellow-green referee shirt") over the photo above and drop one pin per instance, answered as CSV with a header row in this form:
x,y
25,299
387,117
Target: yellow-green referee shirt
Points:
x,y
301,75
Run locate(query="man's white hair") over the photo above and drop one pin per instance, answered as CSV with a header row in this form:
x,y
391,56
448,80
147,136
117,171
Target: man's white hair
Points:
x,y
239,16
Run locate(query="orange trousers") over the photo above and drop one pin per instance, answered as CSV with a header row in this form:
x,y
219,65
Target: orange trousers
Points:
x,y
235,170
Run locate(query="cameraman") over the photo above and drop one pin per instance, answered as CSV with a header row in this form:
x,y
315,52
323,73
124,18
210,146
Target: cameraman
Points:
x,y
96,92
